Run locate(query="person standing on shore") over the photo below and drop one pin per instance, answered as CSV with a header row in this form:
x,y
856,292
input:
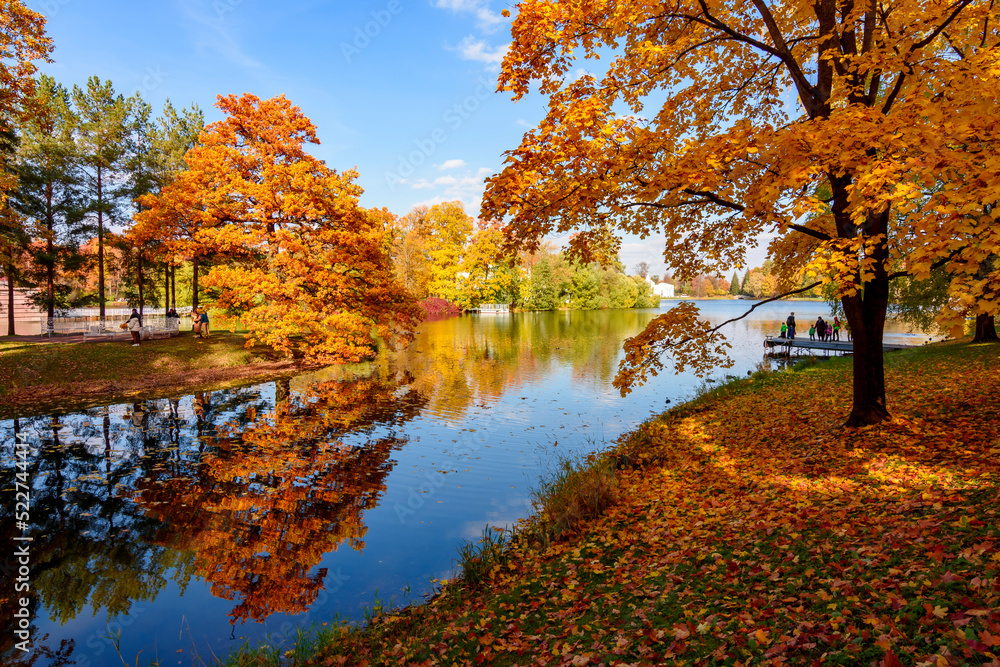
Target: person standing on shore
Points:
x,y
791,325
196,322
204,323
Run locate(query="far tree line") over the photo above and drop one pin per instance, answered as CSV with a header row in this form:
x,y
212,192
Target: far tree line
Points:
x,y
81,157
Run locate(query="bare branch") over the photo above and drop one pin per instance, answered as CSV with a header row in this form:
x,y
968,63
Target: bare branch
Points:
x,y
714,329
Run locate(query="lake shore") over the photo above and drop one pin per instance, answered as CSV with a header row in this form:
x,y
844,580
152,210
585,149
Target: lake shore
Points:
x,y
749,525
44,376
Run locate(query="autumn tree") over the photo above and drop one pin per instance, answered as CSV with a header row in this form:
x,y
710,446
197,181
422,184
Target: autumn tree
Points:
x,y
176,133
715,123
308,272
642,269
14,241
485,274
734,284
447,230
409,248
22,42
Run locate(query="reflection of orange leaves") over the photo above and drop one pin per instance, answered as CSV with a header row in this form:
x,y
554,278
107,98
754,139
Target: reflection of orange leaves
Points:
x,y
260,514
753,528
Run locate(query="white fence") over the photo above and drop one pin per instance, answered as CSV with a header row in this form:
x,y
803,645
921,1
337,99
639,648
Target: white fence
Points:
x,y
90,325
119,313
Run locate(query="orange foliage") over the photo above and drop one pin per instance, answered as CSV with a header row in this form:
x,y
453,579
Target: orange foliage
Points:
x,y
308,273
22,40
862,136
260,510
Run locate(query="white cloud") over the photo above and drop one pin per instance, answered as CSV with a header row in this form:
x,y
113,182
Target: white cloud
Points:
x,y
467,188
451,164
420,185
478,50
485,19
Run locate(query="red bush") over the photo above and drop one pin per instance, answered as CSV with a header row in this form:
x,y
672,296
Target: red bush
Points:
x,y
438,308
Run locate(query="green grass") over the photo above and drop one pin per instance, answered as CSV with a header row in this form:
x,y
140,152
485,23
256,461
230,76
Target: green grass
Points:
x,y
62,369
577,490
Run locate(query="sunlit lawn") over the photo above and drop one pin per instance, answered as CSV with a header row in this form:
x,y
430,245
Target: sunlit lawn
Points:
x,y
25,365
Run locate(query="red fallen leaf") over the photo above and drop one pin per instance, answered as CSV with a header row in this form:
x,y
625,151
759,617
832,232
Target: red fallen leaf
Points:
x,y
775,650
890,660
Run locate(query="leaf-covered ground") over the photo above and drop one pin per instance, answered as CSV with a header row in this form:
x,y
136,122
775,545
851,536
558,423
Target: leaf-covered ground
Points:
x,y
753,529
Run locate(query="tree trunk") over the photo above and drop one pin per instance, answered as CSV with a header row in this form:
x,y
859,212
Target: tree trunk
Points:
x,y
10,299
986,330
865,312
166,287
139,276
173,286
50,263
869,374
194,284
100,247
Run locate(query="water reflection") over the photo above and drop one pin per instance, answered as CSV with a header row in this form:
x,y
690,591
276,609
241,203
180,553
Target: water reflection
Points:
x,y
234,507
472,360
232,487
262,500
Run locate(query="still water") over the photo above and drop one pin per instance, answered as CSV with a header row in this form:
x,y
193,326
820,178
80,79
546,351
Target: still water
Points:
x,y
176,529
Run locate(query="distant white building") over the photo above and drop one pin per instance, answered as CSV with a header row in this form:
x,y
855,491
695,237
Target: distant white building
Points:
x,y
28,319
664,290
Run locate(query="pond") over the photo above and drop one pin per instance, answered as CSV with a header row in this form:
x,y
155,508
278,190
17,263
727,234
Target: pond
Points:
x,y
176,529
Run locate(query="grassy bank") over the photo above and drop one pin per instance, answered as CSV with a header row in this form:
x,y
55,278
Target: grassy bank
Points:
x,y
746,527
35,376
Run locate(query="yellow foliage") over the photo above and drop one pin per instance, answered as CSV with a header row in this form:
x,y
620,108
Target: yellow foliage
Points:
x,y
864,138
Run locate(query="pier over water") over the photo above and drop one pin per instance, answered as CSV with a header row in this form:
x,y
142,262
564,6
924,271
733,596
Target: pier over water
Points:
x,y
774,343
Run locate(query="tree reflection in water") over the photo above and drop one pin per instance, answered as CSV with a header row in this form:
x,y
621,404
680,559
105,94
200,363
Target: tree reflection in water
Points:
x,y
264,498
239,491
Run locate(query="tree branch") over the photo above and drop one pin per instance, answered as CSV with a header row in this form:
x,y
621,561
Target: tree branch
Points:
x,y
941,28
822,236
714,329
936,265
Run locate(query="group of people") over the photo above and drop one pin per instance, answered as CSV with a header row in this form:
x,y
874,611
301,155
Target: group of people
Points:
x,y
788,327
199,323
823,329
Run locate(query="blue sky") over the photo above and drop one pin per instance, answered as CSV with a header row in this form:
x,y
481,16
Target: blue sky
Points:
x,y
404,90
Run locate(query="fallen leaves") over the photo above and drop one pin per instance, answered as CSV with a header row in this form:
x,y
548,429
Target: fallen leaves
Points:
x,y
758,531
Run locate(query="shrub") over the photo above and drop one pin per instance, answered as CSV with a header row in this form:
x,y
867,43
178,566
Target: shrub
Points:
x,y
576,491
437,308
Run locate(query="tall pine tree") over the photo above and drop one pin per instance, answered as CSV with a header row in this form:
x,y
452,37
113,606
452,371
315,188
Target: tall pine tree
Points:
x,y
49,193
101,135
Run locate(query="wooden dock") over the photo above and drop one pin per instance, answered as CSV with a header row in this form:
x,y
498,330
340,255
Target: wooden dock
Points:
x,y
835,346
